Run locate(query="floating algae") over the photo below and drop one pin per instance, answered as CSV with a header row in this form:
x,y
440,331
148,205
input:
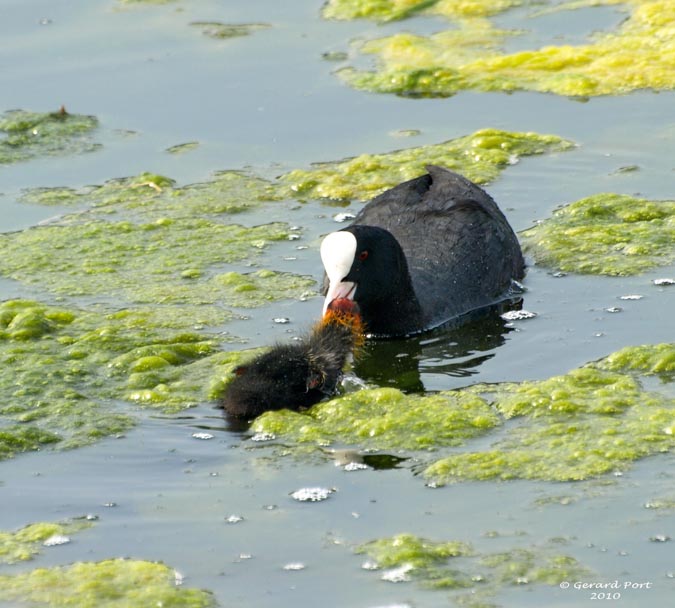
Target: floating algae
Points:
x,y
609,234
480,157
31,134
156,258
25,543
148,241
385,418
220,31
638,55
114,583
188,146
61,373
658,360
151,197
585,423
394,10
572,427
455,565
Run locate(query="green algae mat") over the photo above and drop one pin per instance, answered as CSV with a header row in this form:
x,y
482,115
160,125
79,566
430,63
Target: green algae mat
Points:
x,y
480,157
457,566
606,234
639,54
25,135
64,373
114,583
26,543
591,421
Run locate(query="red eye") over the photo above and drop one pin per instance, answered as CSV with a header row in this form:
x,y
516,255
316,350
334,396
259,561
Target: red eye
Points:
x,y
363,255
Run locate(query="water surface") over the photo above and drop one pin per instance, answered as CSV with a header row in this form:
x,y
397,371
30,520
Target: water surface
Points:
x,y
270,103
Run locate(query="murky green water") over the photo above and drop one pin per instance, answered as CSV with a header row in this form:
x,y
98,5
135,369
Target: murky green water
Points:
x,y
269,103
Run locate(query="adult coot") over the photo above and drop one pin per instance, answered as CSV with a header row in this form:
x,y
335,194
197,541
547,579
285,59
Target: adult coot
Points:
x,y
297,375
427,251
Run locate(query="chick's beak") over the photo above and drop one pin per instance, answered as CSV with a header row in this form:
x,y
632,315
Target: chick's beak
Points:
x,y
338,291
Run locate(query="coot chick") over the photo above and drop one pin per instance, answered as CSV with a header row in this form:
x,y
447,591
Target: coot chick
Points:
x,y
297,375
427,251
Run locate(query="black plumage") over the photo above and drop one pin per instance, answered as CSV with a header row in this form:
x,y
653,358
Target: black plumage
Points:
x,y
296,375
429,250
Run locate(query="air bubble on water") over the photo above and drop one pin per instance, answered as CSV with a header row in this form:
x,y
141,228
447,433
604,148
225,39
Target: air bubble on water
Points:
x,y
631,296
56,540
234,519
343,217
263,437
659,538
661,282
518,315
355,466
204,436
398,575
281,320
312,494
294,566
370,565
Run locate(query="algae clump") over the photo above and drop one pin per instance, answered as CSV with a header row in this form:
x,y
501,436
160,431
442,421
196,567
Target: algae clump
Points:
x,y
31,134
638,55
394,10
454,565
658,360
220,31
480,157
608,234
385,418
152,242
157,258
151,197
64,385
586,423
25,543
591,421
114,583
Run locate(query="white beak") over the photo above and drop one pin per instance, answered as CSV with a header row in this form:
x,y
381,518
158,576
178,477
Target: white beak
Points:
x,y
338,250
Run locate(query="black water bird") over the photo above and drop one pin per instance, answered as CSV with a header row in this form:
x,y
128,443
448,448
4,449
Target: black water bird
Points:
x,y
423,253
298,375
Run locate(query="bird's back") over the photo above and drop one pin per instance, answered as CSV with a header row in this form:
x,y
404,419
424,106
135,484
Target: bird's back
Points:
x,y
461,252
